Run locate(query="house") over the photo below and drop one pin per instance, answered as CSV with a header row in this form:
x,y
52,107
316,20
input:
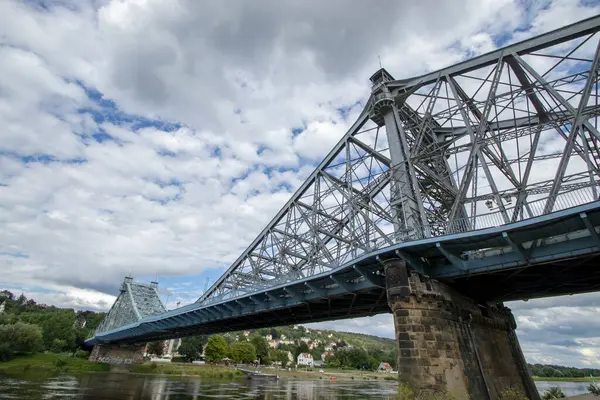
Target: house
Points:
x,y
273,344
325,355
2,307
305,339
305,359
246,333
269,337
319,363
384,367
282,337
295,326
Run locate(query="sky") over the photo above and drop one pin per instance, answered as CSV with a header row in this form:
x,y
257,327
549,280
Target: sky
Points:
x,y
157,138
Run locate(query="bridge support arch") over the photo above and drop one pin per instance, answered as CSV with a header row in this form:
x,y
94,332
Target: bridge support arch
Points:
x,y
118,353
449,345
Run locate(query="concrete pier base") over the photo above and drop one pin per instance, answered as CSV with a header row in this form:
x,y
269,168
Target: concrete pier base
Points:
x,y
118,354
449,346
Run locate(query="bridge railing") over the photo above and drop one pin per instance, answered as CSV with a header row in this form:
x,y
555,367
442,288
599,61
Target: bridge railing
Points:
x,y
492,219
495,218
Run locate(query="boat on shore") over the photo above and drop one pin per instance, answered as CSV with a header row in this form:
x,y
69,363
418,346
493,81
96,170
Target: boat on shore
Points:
x,y
258,375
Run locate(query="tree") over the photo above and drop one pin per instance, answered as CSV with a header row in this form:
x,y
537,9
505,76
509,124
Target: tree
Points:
x,y
301,348
216,348
22,338
157,348
55,324
243,352
191,347
279,356
262,349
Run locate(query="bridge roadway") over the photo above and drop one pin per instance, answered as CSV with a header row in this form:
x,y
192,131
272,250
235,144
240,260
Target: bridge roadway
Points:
x,y
550,255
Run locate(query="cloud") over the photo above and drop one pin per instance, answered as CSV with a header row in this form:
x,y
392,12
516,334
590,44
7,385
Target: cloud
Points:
x,y
160,137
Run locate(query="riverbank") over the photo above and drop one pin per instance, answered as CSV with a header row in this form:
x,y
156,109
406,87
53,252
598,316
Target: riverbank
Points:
x,y
548,379
51,363
329,373
204,370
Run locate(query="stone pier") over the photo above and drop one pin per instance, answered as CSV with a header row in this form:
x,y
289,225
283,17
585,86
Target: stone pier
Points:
x,y
449,346
118,354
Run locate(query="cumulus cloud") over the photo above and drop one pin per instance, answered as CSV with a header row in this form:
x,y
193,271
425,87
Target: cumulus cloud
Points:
x,y
159,137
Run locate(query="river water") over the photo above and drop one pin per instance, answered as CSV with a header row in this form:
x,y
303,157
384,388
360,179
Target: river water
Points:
x,y
115,386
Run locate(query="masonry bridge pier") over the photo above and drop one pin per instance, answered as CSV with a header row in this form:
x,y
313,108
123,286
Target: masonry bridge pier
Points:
x,y
452,193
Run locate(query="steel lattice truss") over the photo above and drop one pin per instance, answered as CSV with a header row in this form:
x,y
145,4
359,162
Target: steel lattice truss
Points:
x,y
497,139
136,301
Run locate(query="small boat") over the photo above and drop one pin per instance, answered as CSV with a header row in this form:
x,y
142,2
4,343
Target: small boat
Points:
x,y
258,375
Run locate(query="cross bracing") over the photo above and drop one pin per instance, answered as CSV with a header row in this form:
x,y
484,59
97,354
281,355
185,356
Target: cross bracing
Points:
x,y
135,301
512,134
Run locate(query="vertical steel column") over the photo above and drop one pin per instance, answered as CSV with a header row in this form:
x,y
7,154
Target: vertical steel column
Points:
x,y
406,201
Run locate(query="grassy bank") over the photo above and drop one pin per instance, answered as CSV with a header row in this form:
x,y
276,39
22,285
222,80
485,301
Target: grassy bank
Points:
x,y
328,373
51,363
211,371
565,379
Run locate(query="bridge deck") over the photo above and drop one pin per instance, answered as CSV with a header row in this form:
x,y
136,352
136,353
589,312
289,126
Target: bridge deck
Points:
x,y
554,254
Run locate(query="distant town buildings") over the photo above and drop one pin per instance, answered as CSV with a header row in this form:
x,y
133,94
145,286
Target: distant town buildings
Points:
x,y
305,359
2,307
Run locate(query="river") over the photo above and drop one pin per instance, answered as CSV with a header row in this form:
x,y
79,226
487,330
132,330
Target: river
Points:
x,y
115,386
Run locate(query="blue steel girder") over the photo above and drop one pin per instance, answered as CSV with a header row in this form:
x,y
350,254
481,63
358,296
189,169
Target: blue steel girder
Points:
x,y
564,233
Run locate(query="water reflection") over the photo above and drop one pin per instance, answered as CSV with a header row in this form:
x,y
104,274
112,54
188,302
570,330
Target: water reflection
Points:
x,y
142,387
116,386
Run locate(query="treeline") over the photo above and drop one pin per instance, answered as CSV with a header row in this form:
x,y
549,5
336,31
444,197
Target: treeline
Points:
x,y
350,350
28,327
255,348
217,349
558,371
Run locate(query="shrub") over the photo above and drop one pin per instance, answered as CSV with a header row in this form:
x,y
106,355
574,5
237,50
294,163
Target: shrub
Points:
x,y
6,352
553,393
21,338
512,394
58,345
60,362
405,392
594,389
82,354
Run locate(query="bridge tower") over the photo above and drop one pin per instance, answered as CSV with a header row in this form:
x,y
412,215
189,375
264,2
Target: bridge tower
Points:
x,y
447,343
136,300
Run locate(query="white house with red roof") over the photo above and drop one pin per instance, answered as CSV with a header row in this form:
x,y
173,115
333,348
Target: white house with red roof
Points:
x,y
384,367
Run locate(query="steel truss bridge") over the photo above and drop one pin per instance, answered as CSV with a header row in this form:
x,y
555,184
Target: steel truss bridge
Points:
x,y
483,175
